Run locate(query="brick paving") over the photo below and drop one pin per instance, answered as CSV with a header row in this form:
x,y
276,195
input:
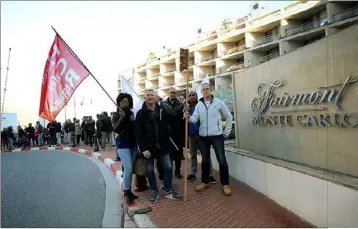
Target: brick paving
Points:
x,y
210,208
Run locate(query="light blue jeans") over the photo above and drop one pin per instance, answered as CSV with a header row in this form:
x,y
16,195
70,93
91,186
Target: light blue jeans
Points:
x,y
127,157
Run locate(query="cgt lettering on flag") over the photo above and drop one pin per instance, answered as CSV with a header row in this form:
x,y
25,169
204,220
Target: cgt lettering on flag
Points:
x,y
62,75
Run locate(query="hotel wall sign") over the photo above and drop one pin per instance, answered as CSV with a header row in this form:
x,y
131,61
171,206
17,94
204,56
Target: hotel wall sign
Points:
x,y
292,103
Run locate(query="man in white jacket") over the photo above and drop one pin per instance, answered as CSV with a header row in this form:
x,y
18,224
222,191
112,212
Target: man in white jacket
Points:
x,y
210,111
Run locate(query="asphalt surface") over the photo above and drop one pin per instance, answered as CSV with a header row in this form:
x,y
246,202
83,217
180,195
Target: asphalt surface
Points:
x,y
51,189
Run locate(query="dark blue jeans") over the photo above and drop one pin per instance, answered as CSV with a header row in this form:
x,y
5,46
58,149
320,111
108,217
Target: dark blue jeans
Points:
x,y
205,144
166,164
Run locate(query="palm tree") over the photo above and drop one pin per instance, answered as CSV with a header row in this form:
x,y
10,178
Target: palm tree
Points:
x,y
151,56
226,24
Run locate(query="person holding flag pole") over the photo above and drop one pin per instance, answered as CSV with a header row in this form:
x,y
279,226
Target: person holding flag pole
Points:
x,y
210,111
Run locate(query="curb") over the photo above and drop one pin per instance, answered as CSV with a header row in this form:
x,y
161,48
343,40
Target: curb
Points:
x,y
141,220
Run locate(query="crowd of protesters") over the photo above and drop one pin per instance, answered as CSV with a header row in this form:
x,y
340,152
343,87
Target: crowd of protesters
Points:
x,y
71,133
155,137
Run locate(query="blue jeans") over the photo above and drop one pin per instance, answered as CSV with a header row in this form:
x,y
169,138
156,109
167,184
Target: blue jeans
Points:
x,y
10,142
41,140
167,173
218,144
127,157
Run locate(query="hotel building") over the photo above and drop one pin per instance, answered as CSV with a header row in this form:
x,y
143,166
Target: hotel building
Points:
x,y
293,78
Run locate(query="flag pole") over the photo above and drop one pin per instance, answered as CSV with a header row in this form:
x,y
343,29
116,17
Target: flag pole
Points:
x,y
74,104
186,139
79,60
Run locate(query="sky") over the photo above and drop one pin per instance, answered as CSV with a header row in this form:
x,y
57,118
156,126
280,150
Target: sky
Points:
x,y
109,37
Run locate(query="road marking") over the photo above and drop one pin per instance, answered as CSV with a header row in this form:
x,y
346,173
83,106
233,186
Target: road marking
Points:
x,y
96,155
82,151
108,162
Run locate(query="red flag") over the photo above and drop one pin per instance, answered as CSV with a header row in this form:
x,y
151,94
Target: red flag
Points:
x,y
62,75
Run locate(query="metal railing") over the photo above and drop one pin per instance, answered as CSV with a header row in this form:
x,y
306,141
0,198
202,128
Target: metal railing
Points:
x,y
352,12
265,39
235,49
305,27
264,59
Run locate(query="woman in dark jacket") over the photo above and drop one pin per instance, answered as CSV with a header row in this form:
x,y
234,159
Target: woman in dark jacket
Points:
x,y
123,125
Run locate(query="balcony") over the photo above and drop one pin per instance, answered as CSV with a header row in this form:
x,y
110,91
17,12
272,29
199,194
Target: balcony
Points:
x,y
235,67
264,59
265,39
235,49
352,12
305,27
141,81
141,67
153,77
206,61
264,19
170,72
183,79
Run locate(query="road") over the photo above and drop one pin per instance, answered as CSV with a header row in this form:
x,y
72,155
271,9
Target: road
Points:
x,y
51,189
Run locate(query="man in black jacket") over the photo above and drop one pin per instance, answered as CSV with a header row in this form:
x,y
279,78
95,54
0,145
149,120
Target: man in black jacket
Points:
x,y
152,135
90,130
106,129
177,130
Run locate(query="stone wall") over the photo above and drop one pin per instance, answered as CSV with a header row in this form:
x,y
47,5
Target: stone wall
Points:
x,y
305,125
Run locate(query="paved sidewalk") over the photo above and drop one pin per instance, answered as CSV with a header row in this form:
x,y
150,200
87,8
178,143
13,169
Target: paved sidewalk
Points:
x,y
210,208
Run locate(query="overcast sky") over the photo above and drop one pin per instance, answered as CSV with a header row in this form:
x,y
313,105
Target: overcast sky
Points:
x,y
108,37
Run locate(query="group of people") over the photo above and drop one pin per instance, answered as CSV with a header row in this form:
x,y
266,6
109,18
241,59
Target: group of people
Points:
x,y
156,134
71,132
23,137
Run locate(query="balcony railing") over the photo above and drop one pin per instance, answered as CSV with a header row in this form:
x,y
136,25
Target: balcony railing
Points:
x,y
235,67
305,27
265,39
154,76
265,18
295,6
170,71
264,59
352,12
205,59
183,79
235,49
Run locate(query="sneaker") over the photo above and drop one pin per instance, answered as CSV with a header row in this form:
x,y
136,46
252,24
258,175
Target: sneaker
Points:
x,y
226,190
154,196
178,175
162,186
173,195
212,180
191,177
201,187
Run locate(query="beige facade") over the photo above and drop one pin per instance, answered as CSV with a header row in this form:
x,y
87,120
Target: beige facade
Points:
x,y
244,43
310,129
